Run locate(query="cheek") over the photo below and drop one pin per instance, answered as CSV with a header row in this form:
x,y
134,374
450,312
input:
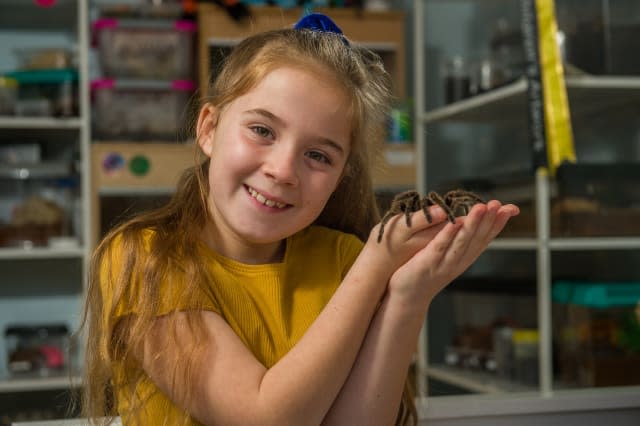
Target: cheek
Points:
x,y
230,153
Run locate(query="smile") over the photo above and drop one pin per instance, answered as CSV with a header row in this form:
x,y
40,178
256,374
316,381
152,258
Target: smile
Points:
x,y
262,199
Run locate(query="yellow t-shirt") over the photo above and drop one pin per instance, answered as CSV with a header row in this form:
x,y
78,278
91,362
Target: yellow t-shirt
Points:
x,y
269,306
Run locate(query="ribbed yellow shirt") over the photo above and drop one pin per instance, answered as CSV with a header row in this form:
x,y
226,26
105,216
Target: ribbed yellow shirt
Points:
x,y
269,306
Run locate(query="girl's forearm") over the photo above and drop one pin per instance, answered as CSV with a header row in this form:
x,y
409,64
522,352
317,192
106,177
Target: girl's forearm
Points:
x,y
373,390
312,373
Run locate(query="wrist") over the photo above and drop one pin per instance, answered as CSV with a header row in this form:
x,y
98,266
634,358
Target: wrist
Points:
x,y
411,309
414,299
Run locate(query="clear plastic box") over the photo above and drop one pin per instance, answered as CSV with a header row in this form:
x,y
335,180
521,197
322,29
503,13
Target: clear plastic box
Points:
x,y
597,332
140,110
50,92
40,349
145,49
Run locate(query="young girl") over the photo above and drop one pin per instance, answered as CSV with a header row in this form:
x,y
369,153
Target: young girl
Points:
x,y
259,295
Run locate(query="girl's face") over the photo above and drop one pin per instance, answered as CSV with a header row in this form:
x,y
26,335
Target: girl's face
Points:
x,y
277,154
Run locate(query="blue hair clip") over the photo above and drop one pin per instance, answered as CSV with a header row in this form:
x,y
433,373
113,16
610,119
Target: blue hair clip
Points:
x,y
320,22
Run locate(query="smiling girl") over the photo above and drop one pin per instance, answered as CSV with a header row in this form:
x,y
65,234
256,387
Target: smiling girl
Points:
x,y
259,295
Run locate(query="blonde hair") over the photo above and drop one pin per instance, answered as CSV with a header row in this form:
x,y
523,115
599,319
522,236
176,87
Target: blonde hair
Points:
x,y
175,226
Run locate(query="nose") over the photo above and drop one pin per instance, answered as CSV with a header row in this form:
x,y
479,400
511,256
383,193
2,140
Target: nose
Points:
x,y
281,165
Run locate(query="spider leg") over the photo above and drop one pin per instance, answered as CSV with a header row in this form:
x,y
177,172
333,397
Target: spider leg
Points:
x,y
388,215
469,197
425,202
412,205
436,199
460,207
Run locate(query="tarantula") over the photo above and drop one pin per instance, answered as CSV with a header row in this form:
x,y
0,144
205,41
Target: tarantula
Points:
x,y
457,202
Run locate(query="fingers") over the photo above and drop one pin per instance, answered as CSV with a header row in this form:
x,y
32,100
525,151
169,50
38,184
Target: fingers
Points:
x,y
481,226
419,222
439,246
503,215
473,232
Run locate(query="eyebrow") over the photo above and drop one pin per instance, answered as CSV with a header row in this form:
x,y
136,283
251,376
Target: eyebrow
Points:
x,y
325,141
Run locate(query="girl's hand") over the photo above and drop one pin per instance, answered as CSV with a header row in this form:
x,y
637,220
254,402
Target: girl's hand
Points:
x,y
449,253
400,242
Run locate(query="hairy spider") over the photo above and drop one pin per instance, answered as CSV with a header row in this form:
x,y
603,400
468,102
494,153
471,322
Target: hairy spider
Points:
x,y
457,202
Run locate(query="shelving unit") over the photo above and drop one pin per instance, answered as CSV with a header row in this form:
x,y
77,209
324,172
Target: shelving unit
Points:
x,y
47,276
588,96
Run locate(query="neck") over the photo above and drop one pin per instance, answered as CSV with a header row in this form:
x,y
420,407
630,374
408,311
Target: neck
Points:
x,y
241,250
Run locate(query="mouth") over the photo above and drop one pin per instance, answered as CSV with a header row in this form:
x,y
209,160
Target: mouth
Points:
x,y
264,200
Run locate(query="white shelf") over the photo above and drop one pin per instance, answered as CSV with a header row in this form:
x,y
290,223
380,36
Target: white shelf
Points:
x,y
495,105
514,244
29,384
9,122
595,243
569,243
126,191
41,253
475,381
587,95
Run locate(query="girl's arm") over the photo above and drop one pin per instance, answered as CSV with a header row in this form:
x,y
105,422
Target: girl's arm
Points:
x,y
229,386
374,388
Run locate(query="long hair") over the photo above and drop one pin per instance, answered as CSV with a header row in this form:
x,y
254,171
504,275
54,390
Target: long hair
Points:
x,y
145,257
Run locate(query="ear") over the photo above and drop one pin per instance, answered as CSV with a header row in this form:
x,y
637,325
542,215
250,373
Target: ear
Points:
x,y
205,129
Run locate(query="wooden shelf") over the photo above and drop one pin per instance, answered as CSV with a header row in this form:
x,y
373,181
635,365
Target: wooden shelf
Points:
x,y
397,170
380,31
166,162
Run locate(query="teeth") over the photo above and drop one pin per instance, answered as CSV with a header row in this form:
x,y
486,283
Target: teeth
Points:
x,y
261,198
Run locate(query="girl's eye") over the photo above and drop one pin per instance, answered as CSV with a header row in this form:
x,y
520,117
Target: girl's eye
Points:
x,y
262,131
318,156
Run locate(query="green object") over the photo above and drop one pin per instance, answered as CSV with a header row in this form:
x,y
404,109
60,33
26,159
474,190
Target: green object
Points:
x,y
139,165
628,335
600,295
43,76
399,126
561,292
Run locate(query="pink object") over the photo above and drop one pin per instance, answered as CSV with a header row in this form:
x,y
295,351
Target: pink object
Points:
x,y
53,356
186,85
45,3
184,25
105,23
103,83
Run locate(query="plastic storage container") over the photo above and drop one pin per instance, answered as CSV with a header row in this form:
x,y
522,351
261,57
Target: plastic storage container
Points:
x,y
37,349
140,110
145,49
46,92
8,95
597,332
